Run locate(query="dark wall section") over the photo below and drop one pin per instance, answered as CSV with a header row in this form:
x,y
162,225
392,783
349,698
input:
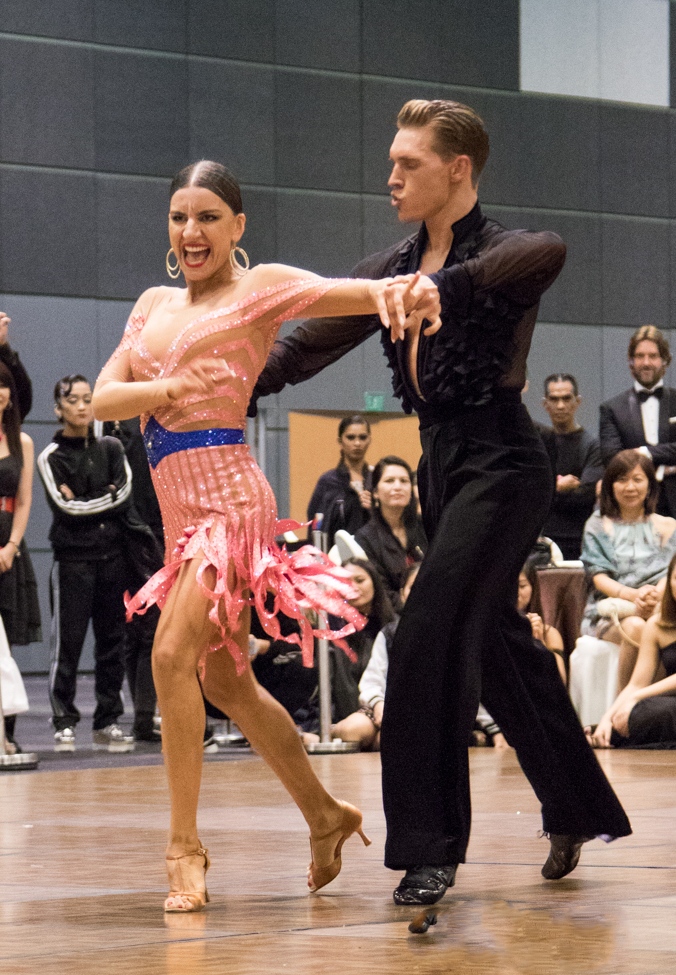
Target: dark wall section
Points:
x,y
102,100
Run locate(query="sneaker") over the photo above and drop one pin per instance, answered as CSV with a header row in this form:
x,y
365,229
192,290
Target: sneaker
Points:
x,y
64,740
210,744
112,739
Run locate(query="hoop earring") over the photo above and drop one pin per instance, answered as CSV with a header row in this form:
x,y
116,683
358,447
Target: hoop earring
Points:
x,y
173,272
238,268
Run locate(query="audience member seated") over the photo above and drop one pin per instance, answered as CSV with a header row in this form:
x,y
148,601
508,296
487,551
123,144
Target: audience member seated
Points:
x,y
578,466
363,725
343,495
626,549
394,538
373,602
644,713
528,603
19,606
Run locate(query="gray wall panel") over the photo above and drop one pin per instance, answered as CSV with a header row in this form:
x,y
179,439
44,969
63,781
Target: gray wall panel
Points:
x,y
37,533
575,296
391,47
616,375
153,24
141,113
319,232
316,34
132,234
544,151
318,128
72,19
52,86
260,237
232,117
341,388
567,348
480,43
635,164
376,373
243,29
635,271
111,318
54,337
48,241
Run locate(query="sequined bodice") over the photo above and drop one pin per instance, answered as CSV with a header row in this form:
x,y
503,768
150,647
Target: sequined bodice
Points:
x,y
241,334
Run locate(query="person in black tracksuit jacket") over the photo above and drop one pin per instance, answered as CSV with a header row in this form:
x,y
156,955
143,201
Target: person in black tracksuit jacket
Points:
x,y
88,484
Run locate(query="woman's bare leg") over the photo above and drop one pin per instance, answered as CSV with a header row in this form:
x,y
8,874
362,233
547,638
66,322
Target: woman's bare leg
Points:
x,y
270,730
356,727
182,633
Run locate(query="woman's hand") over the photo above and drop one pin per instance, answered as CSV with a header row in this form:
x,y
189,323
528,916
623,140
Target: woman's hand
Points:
x,y
620,719
405,301
537,626
600,738
378,709
646,600
200,376
7,555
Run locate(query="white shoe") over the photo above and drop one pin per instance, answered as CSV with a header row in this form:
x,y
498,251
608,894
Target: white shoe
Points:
x,y
64,740
113,739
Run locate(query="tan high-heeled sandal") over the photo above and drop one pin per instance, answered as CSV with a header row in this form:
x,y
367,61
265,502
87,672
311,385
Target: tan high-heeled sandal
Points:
x,y
187,890
330,846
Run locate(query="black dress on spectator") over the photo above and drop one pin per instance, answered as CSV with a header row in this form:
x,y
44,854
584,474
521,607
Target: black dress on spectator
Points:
x,y
19,607
652,721
338,502
386,552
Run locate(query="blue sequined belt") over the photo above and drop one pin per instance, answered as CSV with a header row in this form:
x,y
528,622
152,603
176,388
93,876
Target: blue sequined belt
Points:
x,y
161,442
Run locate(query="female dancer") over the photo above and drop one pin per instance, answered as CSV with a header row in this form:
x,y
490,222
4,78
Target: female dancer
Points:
x,y
188,362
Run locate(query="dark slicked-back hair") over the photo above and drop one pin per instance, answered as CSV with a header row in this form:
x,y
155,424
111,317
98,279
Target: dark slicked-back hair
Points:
x,y
458,130
561,377
620,465
650,333
212,176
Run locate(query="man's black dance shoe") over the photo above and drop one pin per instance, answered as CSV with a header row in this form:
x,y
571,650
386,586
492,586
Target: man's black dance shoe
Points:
x,y
424,885
563,855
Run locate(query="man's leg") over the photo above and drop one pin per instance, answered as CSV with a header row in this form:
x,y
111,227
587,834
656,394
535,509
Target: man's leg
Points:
x,y
108,619
139,636
71,599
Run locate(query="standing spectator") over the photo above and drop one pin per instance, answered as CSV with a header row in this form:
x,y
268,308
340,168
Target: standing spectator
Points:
x,y
641,417
394,537
10,358
140,630
88,485
578,466
19,606
343,495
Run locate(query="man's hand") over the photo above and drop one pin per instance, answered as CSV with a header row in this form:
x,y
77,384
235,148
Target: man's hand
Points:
x,y
200,376
405,301
5,321
567,482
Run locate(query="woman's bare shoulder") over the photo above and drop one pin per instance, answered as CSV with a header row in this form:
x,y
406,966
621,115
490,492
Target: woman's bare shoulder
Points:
x,y
267,275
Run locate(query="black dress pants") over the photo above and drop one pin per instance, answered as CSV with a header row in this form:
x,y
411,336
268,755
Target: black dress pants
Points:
x,y
485,485
139,636
91,589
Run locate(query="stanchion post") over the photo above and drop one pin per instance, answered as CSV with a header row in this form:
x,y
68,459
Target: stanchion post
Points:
x,y
326,744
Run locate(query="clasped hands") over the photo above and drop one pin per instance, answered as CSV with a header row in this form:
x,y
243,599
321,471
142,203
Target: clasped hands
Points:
x,y
406,301
646,600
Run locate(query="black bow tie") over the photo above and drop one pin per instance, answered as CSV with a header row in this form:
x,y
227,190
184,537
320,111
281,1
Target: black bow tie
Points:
x,y
645,394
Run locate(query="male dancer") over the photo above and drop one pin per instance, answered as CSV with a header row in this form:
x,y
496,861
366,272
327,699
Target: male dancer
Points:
x,y
485,486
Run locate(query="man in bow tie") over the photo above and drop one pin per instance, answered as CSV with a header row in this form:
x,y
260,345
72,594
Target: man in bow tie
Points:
x,y
644,417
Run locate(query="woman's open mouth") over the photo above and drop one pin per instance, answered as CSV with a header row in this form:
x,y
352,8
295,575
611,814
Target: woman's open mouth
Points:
x,y
195,256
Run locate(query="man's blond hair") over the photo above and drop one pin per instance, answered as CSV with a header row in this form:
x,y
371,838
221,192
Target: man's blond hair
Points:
x,y
458,130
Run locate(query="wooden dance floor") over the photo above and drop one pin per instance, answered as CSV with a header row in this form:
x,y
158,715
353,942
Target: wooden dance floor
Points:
x,y
82,880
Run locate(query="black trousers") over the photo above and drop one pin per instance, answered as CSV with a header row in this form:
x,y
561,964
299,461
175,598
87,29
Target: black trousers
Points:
x,y
485,484
139,636
92,589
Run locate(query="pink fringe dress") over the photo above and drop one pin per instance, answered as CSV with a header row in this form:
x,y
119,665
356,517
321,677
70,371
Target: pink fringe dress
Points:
x,y
214,499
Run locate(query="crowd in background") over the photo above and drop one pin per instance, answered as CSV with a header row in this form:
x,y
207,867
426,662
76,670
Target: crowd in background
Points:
x,y
612,511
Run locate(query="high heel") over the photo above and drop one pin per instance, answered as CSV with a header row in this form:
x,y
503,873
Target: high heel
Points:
x,y
330,845
187,890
